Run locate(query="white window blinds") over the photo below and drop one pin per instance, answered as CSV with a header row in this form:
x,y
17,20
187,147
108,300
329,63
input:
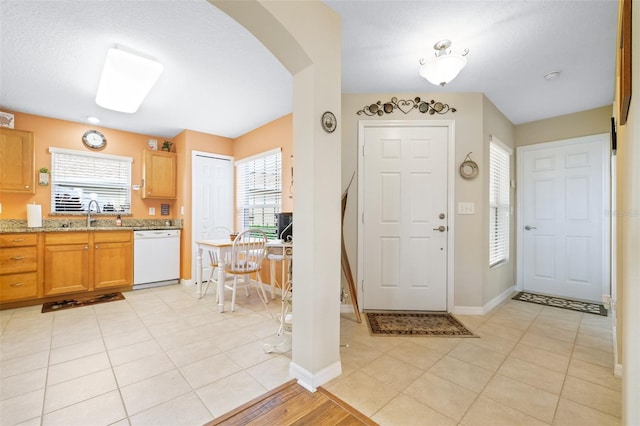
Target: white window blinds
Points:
x,y
499,201
258,192
78,177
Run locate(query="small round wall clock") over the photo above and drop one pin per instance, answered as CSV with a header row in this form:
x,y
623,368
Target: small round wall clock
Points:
x,y
94,139
329,122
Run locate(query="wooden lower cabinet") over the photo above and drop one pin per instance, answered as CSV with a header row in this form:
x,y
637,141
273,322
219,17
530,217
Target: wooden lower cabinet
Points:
x,y
87,261
18,267
47,266
112,259
15,287
66,267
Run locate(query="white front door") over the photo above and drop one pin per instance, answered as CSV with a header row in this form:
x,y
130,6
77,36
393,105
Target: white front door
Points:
x,y
212,200
405,217
564,217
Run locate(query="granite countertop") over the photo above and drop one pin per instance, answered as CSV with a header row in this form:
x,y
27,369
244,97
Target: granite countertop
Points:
x,y
80,225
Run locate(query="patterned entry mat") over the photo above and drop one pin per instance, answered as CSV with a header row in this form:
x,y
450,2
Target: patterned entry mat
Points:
x,y
434,324
81,301
558,302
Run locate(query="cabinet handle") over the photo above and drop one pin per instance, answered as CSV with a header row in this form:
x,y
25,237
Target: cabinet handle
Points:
x,y
26,186
17,258
17,240
96,246
15,285
86,247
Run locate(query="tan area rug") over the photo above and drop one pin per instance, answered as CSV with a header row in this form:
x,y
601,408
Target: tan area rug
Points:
x,y
430,324
81,301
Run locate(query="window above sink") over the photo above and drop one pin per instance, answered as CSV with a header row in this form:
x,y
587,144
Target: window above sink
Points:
x,y
78,177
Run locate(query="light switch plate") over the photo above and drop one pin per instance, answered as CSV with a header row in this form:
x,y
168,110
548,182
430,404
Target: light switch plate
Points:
x,y
466,208
152,211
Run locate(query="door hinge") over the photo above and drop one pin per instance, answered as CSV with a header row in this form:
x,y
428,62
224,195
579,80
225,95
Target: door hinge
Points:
x,y
363,218
363,150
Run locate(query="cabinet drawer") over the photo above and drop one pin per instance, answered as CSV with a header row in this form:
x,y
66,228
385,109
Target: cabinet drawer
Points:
x,y
18,259
66,238
112,237
18,286
18,240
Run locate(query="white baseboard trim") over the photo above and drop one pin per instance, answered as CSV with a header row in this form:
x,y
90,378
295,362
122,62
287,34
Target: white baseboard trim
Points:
x,y
346,309
617,370
499,299
482,310
311,381
467,310
187,283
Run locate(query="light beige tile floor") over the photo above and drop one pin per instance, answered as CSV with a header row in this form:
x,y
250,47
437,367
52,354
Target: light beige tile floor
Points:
x,y
532,365
163,357
158,357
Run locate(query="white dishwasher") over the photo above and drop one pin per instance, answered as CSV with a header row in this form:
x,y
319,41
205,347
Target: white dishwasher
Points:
x,y
156,258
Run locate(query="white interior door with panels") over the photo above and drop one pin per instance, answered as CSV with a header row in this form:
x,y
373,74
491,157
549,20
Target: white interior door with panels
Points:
x,y
212,200
563,232
403,198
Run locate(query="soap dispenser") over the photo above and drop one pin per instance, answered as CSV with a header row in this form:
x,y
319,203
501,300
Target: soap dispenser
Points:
x,y
118,221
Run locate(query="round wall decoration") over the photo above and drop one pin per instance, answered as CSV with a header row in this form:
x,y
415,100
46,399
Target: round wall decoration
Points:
x,y
94,139
329,122
468,168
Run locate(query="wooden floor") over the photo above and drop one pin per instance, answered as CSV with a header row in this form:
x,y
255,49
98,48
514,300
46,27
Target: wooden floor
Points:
x,y
291,404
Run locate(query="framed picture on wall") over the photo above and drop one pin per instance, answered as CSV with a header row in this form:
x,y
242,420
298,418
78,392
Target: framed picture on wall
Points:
x,y
152,144
625,62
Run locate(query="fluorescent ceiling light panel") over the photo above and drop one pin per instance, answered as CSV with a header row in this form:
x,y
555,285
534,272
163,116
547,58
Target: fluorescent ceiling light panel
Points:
x,y
126,80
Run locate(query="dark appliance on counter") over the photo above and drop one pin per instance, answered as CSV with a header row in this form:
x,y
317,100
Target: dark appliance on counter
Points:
x,y
285,226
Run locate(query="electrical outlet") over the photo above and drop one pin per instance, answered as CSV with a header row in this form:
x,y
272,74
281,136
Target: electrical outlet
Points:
x,y
152,211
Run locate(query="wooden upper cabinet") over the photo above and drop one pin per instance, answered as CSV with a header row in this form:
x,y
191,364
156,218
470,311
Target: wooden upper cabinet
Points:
x,y
17,159
159,170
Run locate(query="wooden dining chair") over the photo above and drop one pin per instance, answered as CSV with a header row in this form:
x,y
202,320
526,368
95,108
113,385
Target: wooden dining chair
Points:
x,y
247,253
218,232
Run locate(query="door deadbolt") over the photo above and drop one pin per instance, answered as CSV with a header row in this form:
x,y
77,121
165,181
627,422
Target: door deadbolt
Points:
x,y
441,216
440,228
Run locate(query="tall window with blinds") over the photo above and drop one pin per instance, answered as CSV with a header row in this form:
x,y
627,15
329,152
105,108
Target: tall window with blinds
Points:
x,y
499,201
259,192
78,177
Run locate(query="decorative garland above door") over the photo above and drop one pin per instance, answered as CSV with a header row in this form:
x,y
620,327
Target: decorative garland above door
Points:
x,y
406,106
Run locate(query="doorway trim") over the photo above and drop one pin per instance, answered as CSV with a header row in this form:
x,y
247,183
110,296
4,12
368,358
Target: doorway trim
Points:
x,y
606,204
451,178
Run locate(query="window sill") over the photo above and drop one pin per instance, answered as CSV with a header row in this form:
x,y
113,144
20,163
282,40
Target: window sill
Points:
x,y
499,264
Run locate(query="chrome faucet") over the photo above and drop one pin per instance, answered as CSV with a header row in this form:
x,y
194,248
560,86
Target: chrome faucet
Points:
x,y
89,220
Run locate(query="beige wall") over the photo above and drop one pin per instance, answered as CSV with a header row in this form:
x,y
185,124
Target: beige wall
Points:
x,y
500,278
628,245
475,119
584,123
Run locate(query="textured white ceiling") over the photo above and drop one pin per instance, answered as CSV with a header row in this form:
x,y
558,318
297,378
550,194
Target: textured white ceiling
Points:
x,y
219,79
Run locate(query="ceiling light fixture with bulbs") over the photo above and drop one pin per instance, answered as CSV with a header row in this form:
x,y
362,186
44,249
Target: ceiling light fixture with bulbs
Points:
x,y
127,78
445,66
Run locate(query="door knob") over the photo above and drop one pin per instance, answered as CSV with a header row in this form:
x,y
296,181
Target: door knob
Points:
x,y
529,228
440,228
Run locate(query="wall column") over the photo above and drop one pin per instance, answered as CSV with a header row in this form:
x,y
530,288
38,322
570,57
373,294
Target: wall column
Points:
x,y
305,36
